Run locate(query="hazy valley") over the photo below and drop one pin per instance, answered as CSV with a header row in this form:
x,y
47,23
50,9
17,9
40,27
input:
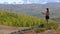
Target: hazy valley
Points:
x,y
33,9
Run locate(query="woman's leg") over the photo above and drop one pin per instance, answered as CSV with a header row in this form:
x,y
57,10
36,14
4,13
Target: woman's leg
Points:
x,y
47,21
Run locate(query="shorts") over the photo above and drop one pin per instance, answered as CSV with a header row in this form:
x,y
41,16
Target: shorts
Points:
x,y
47,17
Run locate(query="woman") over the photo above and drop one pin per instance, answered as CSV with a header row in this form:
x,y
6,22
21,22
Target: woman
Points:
x,y
47,15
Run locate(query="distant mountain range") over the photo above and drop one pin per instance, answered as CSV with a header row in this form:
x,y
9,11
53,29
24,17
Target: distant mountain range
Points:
x,y
32,9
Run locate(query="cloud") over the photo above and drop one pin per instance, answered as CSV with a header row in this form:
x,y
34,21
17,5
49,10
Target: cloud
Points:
x,y
53,1
12,1
27,1
34,1
19,2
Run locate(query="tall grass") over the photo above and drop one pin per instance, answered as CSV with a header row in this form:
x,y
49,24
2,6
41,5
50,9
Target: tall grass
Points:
x,y
21,20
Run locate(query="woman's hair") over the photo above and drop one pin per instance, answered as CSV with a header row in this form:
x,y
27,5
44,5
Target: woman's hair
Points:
x,y
47,9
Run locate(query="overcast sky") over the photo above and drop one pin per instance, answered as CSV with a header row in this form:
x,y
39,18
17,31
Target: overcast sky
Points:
x,y
26,1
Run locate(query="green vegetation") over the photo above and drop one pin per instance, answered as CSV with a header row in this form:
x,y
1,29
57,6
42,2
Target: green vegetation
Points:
x,y
38,30
13,19
50,25
22,20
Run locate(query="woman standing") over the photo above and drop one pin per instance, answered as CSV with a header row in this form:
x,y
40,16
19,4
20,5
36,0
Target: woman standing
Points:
x,y
47,15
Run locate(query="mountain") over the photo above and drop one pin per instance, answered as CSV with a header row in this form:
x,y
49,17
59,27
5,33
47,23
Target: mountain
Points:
x,y
32,9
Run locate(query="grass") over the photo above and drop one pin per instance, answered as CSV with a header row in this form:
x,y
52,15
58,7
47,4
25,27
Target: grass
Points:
x,y
48,26
22,20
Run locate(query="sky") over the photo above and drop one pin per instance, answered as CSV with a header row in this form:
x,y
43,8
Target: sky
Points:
x,y
27,1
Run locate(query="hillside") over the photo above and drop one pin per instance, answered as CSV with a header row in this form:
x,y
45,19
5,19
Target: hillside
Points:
x,y
19,21
14,19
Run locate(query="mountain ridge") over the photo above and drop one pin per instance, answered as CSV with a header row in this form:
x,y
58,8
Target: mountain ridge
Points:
x,y
32,9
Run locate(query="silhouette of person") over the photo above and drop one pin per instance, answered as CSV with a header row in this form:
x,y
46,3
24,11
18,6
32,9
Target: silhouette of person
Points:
x,y
47,15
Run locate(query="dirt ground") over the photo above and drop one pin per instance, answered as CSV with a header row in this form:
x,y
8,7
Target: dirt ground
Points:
x,y
8,30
